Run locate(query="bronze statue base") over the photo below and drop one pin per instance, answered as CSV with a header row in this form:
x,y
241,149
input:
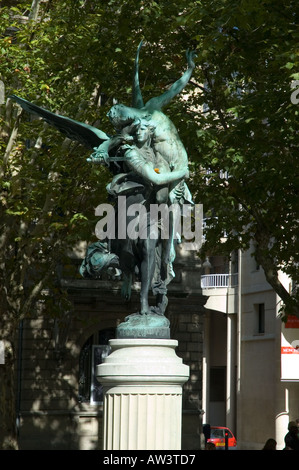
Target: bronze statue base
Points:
x,y
144,326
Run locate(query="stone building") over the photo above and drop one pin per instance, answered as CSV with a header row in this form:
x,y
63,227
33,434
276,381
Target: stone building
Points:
x,y
250,360
225,317
59,399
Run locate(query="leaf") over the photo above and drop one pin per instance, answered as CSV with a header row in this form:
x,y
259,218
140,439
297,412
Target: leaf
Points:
x,y
78,217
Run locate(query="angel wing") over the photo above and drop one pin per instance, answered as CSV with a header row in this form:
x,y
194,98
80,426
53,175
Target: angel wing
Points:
x,y
84,133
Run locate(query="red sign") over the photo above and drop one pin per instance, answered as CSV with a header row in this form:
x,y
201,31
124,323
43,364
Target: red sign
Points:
x,y
292,322
289,350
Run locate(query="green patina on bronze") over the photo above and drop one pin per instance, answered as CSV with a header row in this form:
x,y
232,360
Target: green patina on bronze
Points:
x,y
150,165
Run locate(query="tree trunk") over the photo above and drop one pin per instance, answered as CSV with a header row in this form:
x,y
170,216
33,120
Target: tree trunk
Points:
x,y
269,266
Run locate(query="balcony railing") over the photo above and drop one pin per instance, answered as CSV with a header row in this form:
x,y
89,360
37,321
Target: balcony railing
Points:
x,y
212,281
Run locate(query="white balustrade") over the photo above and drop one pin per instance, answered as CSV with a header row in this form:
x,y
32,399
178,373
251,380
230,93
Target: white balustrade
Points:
x,y
213,281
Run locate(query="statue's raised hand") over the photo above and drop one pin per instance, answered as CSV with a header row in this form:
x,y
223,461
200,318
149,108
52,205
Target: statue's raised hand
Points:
x,y
190,55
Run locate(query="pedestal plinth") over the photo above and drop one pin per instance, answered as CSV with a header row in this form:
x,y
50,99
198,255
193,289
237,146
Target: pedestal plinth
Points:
x,y
142,380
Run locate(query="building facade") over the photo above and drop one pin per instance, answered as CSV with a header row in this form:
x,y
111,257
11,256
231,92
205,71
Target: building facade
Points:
x,y
59,399
245,352
225,317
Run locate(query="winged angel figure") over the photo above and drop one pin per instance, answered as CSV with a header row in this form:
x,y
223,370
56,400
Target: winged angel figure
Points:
x,y
150,165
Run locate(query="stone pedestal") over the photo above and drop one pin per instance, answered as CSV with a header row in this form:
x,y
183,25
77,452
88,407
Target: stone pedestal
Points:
x,y
142,381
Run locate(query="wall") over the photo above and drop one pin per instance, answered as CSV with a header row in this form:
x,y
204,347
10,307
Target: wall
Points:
x,y
50,414
265,404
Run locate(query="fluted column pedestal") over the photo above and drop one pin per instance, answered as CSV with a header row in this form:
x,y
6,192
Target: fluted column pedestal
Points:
x,y
142,381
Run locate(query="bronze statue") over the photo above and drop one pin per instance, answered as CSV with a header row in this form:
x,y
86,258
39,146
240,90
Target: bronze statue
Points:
x,y
150,166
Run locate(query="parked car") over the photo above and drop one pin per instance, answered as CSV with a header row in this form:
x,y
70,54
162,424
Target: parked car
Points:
x,y
219,434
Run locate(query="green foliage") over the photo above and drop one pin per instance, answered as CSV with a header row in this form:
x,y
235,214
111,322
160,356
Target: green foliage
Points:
x,y
238,123
245,131
48,190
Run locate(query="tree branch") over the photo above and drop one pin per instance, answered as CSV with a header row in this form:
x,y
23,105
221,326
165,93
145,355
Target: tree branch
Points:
x,y
269,266
11,142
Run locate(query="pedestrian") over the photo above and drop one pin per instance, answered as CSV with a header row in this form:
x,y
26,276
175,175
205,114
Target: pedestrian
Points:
x,y
291,438
270,444
210,446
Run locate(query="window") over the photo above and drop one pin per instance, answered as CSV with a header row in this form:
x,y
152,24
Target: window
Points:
x,y
217,384
92,354
260,318
99,352
217,433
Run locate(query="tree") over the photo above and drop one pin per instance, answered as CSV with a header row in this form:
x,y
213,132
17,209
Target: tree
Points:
x,y
73,57
48,190
246,136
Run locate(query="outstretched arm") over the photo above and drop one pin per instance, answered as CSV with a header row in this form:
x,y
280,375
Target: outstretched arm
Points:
x,y
162,100
137,101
